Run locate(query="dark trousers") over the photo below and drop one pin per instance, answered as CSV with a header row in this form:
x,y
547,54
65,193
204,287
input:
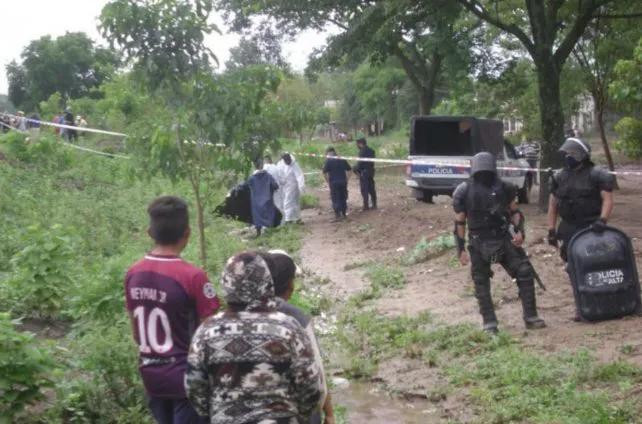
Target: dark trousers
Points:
x,y
174,411
72,135
339,197
533,164
367,184
513,259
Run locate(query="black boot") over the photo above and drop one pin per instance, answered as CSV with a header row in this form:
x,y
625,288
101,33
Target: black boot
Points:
x,y
486,307
527,295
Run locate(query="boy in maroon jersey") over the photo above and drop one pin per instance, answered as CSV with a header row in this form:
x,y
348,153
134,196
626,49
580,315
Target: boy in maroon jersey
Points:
x,y
166,299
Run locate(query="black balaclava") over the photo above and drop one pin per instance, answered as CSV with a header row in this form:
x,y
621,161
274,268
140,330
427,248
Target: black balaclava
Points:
x,y
571,162
485,177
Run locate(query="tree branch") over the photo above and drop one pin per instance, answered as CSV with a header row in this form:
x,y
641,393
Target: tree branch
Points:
x,y
585,16
620,16
407,65
478,10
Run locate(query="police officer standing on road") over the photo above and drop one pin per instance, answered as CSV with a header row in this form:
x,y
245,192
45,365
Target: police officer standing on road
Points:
x,y
366,172
581,194
496,233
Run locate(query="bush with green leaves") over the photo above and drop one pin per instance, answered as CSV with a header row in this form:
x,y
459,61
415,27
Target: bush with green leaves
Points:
x,y
41,273
629,142
103,384
24,370
42,148
426,250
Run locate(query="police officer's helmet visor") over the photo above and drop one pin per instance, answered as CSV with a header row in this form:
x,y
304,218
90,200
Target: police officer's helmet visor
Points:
x,y
575,148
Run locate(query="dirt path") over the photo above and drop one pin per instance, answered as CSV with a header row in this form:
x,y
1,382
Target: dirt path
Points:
x,y
444,288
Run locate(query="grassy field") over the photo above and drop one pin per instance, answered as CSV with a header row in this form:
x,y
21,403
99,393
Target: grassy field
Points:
x,y
72,224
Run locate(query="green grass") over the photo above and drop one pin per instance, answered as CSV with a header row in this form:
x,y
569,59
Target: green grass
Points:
x,y
309,201
506,381
72,224
426,250
381,278
385,277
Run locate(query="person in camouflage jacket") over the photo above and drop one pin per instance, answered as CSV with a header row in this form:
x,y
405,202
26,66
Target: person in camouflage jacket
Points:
x,y
252,364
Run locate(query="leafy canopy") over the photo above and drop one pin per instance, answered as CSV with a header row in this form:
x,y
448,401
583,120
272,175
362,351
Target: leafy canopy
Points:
x,y
164,38
70,64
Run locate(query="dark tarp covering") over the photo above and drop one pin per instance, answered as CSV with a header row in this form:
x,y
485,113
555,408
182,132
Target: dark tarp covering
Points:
x,y
455,136
237,205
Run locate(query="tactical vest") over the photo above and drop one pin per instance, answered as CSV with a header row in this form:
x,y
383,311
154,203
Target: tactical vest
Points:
x,y
579,198
487,207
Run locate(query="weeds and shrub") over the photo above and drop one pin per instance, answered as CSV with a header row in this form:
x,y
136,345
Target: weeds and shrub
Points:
x,y
426,250
629,142
309,201
513,385
381,277
509,383
41,274
25,370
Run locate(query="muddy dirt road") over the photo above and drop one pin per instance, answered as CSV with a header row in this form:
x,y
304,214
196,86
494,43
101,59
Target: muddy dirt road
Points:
x,y
441,286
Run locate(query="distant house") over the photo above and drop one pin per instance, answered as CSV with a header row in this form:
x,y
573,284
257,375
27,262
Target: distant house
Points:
x,y
582,120
331,104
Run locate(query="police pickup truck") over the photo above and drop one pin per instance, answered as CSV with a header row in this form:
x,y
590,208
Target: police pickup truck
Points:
x,y
441,148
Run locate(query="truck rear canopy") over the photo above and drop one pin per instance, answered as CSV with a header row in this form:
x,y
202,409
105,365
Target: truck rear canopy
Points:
x,y
454,136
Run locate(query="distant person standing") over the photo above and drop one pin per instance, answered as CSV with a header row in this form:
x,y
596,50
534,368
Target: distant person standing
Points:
x,y
292,183
336,173
366,172
275,172
531,150
34,123
167,298
262,187
21,122
71,133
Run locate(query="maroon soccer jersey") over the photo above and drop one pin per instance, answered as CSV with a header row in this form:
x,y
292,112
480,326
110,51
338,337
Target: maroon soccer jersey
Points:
x,y
166,297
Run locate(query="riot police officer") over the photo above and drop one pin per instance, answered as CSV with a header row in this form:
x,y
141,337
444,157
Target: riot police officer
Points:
x,y
581,194
496,232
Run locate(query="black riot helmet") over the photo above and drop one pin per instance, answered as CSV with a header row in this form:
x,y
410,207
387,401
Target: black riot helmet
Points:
x,y
483,161
576,148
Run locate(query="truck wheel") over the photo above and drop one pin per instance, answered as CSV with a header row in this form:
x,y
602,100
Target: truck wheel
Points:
x,y
425,196
524,194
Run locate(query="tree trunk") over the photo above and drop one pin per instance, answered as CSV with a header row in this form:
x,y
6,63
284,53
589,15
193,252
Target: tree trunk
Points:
x,y
552,120
605,144
200,219
426,99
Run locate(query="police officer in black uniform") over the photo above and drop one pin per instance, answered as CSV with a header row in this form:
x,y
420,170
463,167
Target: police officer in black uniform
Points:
x,y
496,233
366,172
581,194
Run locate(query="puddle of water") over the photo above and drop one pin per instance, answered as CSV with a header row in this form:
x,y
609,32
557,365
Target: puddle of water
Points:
x,y
365,404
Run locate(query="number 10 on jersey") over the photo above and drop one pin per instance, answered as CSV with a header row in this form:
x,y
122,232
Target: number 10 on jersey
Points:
x,y
148,330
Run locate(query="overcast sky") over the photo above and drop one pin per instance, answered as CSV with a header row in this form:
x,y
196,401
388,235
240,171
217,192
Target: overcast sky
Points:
x,y
24,20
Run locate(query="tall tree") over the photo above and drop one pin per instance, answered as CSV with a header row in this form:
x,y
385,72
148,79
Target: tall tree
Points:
x,y
548,31
17,78
424,36
260,48
377,89
605,41
71,65
626,92
209,125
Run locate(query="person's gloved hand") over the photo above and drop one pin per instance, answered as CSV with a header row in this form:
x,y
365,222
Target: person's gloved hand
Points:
x,y
599,225
552,238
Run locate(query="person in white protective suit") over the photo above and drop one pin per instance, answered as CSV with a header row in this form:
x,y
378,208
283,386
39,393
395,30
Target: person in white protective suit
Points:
x,y
291,184
275,171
